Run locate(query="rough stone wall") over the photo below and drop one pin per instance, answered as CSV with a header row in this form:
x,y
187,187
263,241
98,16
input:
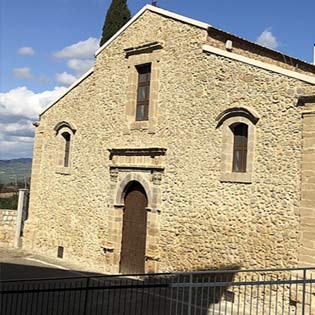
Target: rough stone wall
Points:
x,y
203,222
307,212
7,227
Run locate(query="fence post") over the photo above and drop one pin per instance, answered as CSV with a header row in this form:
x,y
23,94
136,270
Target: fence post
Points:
x,y
304,291
86,296
190,293
19,217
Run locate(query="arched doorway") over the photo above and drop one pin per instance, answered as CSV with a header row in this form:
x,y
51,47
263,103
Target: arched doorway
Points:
x,y
134,229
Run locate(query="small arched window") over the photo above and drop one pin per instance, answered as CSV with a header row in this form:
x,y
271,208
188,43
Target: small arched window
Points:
x,y
238,125
67,140
64,142
240,142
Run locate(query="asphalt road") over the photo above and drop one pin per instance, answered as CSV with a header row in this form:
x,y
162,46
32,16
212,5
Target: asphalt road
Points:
x,y
19,265
89,293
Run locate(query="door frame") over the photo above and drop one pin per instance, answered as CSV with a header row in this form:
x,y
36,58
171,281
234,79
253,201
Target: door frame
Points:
x,y
124,258
150,181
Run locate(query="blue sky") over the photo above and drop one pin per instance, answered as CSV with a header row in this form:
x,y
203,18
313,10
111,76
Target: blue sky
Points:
x,y
46,44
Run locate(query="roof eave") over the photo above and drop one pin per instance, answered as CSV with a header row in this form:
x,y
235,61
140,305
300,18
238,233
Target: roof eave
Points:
x,y
82,78
293,60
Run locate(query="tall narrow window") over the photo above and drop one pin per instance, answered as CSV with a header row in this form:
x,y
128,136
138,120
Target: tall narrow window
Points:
x,y
143,97
67,139
240,132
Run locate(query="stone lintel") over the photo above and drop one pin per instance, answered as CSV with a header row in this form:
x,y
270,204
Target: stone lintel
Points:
x,y
137,151
148,47
137,167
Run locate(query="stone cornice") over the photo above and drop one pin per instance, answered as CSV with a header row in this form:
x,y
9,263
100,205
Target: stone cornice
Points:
x,y
259,64
154,151
148,47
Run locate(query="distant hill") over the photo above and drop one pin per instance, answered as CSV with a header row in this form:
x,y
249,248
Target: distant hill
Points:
x,y
16,168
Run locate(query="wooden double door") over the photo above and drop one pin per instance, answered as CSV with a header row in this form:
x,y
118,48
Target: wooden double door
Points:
x,y
134,231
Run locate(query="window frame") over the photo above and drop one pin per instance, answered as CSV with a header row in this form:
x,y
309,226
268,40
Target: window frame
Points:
x,y
240,146
66,153
145,70
64,141
228,119
133,62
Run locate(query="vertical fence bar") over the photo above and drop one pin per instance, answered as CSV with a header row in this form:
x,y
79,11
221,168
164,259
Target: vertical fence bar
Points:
x,y
86,296
257,293
283,298
304,292
190,294
251,297
290,291
311,292
270,294
296,292
185,293
277,290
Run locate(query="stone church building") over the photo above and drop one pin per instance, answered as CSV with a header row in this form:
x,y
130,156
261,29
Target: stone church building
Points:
x,y
183,148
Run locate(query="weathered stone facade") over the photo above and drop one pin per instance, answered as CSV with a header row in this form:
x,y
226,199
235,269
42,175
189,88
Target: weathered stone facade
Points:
x,y
7,227
199,216
307,207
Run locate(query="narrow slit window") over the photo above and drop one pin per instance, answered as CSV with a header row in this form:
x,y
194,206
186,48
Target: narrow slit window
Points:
x,y
143,93
67,139
240,134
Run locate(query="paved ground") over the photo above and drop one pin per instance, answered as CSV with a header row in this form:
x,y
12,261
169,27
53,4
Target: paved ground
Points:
x,y
15,264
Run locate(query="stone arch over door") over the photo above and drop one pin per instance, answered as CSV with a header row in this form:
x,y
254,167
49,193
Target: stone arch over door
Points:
x,y
134,229
129,178
127,165
121,179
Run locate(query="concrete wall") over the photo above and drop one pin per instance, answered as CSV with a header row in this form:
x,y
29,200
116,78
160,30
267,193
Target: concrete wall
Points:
x,y
7,227
197,219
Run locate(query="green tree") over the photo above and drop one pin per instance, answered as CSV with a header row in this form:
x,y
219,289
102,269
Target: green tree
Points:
x,y
117,16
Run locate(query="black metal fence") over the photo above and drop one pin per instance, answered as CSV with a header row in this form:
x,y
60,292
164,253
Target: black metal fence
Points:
x,y
228,292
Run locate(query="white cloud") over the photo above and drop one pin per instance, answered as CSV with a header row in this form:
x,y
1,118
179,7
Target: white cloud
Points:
x,y
19,107
65,78
82,49
80,66
267,39
26,50
26,73
22,102
22,73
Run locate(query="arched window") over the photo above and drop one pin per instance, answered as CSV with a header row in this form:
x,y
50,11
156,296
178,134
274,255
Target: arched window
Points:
x,y
66,158
64,138
240,141
238,126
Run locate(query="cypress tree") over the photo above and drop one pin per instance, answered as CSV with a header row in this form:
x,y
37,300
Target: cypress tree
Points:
x,y
117,16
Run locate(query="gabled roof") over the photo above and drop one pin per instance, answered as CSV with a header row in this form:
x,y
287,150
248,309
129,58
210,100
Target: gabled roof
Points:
x,y
133,19
210,29
72,86
204,26
160,11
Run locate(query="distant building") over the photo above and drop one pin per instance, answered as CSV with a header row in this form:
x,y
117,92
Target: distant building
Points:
x,y
184,147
